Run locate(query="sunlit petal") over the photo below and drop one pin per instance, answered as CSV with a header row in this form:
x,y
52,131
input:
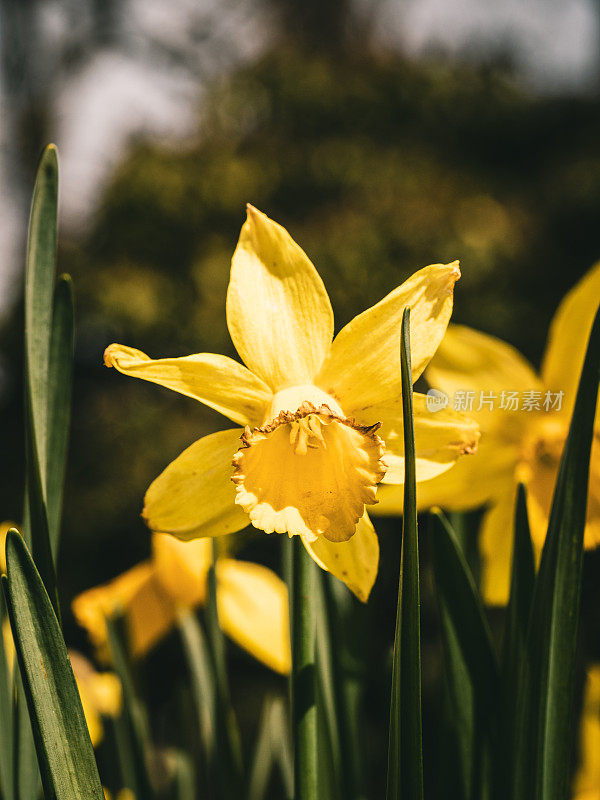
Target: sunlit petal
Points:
x,y
468,360
215,380
254,611
194,496
363,367
278,311
354,562
568,338
495,545
473,481
138,595
441,437
182,567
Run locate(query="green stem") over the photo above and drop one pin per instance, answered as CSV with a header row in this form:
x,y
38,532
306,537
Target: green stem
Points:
x,y
304,710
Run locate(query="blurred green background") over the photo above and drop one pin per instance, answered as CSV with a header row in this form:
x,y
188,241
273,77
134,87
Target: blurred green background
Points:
x,y
378,164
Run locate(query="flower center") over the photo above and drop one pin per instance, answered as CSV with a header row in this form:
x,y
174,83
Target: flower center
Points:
x,y
309,470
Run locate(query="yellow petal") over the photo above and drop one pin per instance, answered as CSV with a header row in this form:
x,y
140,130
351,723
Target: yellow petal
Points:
x,y
441,437
468,360
253,610
363,367
92,717
495,545
215,380
568,338
354,562
472,481
587,779
309,473
100,694
139,595
182,567
5,527
540,472
278,312
194,496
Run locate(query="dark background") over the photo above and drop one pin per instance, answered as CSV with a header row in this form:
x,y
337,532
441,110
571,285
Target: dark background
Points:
x,y
378,164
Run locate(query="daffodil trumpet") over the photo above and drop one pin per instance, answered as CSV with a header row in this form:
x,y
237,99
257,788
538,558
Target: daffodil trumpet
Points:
x,y
321,418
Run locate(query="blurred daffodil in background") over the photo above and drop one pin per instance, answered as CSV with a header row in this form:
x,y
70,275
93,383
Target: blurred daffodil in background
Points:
x,y
523,431
322,417
587,778
252,601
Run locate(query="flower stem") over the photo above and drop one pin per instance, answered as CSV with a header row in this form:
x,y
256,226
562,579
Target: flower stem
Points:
x,y
304,710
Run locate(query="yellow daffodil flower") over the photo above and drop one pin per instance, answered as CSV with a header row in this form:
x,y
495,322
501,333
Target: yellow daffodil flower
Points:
x,y
252,601
521,442
322,417
587,778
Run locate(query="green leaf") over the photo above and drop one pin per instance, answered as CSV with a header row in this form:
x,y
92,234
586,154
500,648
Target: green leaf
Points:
x,y
543,738
303,678
137,727
39,283
181,769
273,749
405,757
65,753
469,660
60,371
27,774
202,680
328,648
228,751
522,583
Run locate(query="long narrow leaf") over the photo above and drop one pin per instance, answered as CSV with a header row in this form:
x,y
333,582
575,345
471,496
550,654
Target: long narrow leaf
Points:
x,y
202,680
60,370
65,753
134,712
39,283
228,749
470,663
405,758
543,737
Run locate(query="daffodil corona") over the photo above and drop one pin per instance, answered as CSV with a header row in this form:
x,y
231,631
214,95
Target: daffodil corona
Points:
x,y
322,417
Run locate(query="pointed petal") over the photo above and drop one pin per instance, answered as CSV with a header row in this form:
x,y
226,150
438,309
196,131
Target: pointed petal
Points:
x,y
278,311
195,496
363,367
215,380
468,360
495,546
138,594
473,481
568,338
182,567
441,437
354,562
253,610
